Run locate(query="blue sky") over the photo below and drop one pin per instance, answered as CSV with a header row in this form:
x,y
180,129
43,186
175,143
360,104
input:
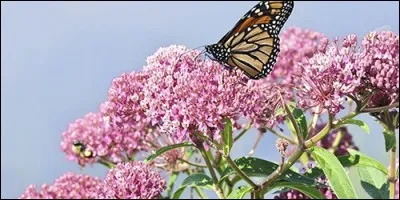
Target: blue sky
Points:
x,y
59,58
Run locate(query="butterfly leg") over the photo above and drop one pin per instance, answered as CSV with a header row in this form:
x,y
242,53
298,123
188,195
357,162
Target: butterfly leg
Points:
x,y
227,66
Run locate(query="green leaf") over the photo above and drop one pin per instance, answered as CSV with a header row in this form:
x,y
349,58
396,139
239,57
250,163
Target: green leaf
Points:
x,y
290,127
165,149
280,110
189,152
374,182
304,159
308,190
334,171
314,172
301,121
390,139
194,180
396,120
171,182
291,105
239,193
255,167
356,158
227,136
359,123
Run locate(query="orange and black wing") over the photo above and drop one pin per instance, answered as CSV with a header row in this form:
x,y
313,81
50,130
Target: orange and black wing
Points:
x,y
254,50
266,12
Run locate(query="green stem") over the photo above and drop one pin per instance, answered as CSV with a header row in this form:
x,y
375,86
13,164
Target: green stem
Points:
x,y
217,189
217,159
131,157
313,140
258,195
337,140
240,172
379,109
242,132
198,190
349,116
392,173
227,185
313,122
171,183
281,135
106,163
260,135
281,170
354,99
295,125
204,138
193,164
365,102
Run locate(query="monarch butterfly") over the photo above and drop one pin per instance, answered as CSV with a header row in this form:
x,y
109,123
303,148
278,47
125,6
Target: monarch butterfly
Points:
x,y
253,43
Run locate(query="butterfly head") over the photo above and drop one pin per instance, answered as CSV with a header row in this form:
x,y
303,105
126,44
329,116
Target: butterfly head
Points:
x,y
219,52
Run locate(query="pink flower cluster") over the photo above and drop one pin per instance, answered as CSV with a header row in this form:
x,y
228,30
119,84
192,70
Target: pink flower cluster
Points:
x,y
133,180
297,45
294,194
170,159
346,141
97,136
329,76
123,104
380,59
183,95
68,186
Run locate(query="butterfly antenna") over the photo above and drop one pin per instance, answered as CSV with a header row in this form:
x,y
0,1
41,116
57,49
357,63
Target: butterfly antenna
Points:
x,y
195,58
190,51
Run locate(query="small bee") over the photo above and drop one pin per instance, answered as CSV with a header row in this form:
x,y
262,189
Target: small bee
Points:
x,y
80,149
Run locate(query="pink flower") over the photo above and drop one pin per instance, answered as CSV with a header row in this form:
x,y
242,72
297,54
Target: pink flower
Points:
x,y
68,186
328,77
297,45
101,139
124,112
123,105
294,194
183,95
346,141
170,159
380,60
133,180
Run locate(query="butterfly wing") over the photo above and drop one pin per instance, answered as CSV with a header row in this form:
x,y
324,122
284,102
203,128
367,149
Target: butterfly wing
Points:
x,y
266,12
254,50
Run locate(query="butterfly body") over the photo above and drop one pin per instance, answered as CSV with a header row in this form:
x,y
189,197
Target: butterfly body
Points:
x,y
253,44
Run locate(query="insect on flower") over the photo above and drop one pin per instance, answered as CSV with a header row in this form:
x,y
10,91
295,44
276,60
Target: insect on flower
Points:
x,y
80,149
253,43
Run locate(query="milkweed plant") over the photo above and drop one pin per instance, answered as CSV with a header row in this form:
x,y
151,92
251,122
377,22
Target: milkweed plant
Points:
x,y
182,115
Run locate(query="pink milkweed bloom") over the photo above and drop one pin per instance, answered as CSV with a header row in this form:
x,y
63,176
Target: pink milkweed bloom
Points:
x,y
345,143
328,77
103,140
122,107
380,60
294,194
169,160
132,180
296,46
183,95
68,186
